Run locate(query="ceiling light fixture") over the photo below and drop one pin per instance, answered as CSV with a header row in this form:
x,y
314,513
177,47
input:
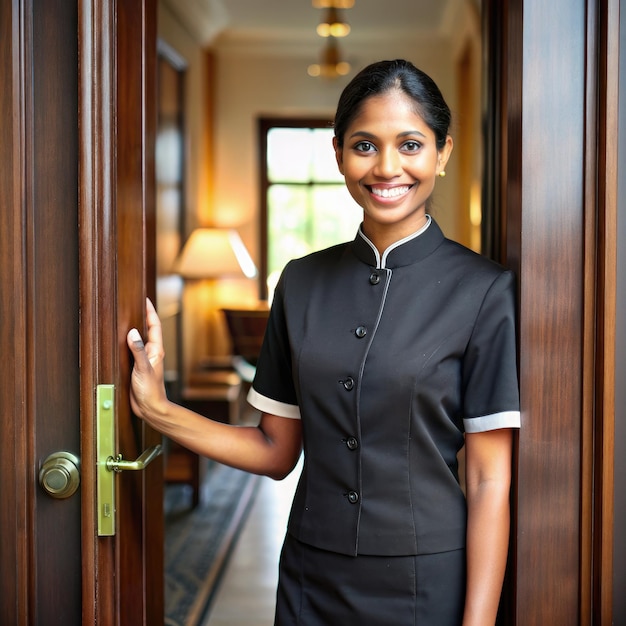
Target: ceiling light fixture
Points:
x,y
332,25
333,4
331,65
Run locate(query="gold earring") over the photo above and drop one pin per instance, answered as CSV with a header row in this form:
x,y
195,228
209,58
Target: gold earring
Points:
x,y
442,173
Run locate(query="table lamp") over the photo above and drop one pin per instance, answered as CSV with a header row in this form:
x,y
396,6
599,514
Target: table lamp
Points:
x,y
210,254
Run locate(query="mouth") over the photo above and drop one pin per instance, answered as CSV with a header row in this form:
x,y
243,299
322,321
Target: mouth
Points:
x,y
389,192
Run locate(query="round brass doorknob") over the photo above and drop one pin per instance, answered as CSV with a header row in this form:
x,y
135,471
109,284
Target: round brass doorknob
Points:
x,y
59,475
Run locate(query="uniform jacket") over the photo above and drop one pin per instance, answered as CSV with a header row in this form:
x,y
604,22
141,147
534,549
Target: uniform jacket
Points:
x,y
388,360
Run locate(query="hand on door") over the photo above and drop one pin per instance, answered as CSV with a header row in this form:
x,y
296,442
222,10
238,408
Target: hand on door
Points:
x,y
147,390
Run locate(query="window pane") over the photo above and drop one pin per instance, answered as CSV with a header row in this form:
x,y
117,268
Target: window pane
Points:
x,y
324,162
288,224
289,154
335,214
302,219
308,205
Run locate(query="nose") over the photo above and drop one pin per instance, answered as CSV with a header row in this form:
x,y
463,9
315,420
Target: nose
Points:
x,y
389,163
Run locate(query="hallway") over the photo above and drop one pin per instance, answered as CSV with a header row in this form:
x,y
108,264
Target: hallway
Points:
x,y
246,594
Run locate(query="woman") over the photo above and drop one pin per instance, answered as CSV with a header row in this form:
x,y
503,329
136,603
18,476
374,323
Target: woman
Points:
x,y
382,358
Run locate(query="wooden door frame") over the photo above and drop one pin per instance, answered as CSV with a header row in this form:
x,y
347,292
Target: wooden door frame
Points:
x,y
555,203
98,334
117,111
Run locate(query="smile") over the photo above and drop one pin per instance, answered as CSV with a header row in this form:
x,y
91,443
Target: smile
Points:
x,y
390,192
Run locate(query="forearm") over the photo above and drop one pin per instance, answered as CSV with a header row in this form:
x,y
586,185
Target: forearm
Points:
x,y
487,547
272,448
251,448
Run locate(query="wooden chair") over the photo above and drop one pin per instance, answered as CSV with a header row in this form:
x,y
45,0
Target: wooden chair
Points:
x,y
247,329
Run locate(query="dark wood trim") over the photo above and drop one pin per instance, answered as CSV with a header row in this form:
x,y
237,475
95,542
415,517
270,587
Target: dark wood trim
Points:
x,y
139,545
619,471
16,455
152,482
502,199
590,269
97,187
559,218
606,289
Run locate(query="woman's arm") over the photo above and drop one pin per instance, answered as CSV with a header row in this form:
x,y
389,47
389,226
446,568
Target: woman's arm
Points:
x,y
488,479
272,448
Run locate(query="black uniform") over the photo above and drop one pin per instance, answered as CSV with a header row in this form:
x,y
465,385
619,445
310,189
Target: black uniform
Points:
x,y
387,360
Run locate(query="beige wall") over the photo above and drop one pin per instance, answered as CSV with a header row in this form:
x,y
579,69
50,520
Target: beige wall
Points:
x,y
272,80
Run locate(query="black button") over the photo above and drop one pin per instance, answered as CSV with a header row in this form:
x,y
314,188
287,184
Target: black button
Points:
x,y
374,278
348,383
353,497
352,443
360,332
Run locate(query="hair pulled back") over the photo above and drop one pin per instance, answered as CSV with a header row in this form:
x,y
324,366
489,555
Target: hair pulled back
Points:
x,y
399,75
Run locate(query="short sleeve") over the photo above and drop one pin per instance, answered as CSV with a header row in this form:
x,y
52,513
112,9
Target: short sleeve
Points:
x,y
273,389
490,382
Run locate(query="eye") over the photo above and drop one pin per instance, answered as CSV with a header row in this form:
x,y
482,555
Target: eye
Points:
x,y
411,146
365,146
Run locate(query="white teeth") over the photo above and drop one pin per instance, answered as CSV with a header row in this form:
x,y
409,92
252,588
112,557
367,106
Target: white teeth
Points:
x,y
392,192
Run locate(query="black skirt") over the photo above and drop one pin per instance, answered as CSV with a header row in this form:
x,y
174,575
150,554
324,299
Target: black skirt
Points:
x,y
320,588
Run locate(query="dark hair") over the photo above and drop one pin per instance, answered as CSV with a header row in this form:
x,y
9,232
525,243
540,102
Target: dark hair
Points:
x,y
385,76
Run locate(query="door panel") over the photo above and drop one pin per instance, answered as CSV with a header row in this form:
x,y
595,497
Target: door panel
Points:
x,y
39,397
52,294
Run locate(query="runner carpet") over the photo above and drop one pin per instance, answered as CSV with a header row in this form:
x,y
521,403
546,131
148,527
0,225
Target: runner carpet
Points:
x,y
198,540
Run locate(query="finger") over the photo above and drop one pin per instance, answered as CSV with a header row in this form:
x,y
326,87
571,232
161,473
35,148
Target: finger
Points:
x,y
154,345
134,340
155,333
137,347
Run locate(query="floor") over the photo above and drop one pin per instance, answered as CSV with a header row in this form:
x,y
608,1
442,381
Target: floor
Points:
x,y
246,595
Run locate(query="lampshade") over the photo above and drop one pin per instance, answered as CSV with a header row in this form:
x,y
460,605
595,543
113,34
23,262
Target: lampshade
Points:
x,y
213,253
333,25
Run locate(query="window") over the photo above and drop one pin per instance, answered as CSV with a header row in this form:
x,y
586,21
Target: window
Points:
x,y
305,205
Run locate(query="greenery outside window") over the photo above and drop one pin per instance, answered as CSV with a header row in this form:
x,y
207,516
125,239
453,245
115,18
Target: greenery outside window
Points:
x,y
305,205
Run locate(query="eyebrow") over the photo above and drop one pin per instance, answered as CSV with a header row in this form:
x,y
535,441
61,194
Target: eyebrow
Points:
x,y
366,135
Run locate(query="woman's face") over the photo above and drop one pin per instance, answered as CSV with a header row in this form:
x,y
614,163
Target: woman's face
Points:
x,y
390,163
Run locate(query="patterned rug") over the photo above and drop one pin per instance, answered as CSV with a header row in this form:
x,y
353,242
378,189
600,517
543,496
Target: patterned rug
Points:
x,y
198,541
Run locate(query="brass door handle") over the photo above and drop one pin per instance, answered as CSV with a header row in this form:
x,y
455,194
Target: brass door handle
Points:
x,y
118,464
109,462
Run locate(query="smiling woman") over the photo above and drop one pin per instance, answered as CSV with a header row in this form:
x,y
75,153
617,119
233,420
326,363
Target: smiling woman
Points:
x,y
392,323
390,163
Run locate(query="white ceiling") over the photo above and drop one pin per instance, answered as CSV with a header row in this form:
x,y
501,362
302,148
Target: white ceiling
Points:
x,y
246,21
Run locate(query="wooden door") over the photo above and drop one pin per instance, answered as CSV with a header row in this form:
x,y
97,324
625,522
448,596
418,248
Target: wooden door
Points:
x,y
76,249
554,123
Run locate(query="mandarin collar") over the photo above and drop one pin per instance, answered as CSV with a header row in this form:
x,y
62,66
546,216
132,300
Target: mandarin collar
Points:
x,y
411,249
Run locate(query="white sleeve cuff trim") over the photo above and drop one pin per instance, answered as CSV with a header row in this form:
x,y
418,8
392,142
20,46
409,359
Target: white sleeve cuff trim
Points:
x,y
273,407
506,419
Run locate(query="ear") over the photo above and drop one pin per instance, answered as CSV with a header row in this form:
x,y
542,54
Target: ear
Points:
x,y
444,154
338,154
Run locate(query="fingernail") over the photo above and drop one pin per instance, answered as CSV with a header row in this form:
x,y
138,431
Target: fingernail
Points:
x,y
135,337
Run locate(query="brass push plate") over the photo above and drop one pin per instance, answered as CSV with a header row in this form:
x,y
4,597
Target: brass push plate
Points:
x,y
105,435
